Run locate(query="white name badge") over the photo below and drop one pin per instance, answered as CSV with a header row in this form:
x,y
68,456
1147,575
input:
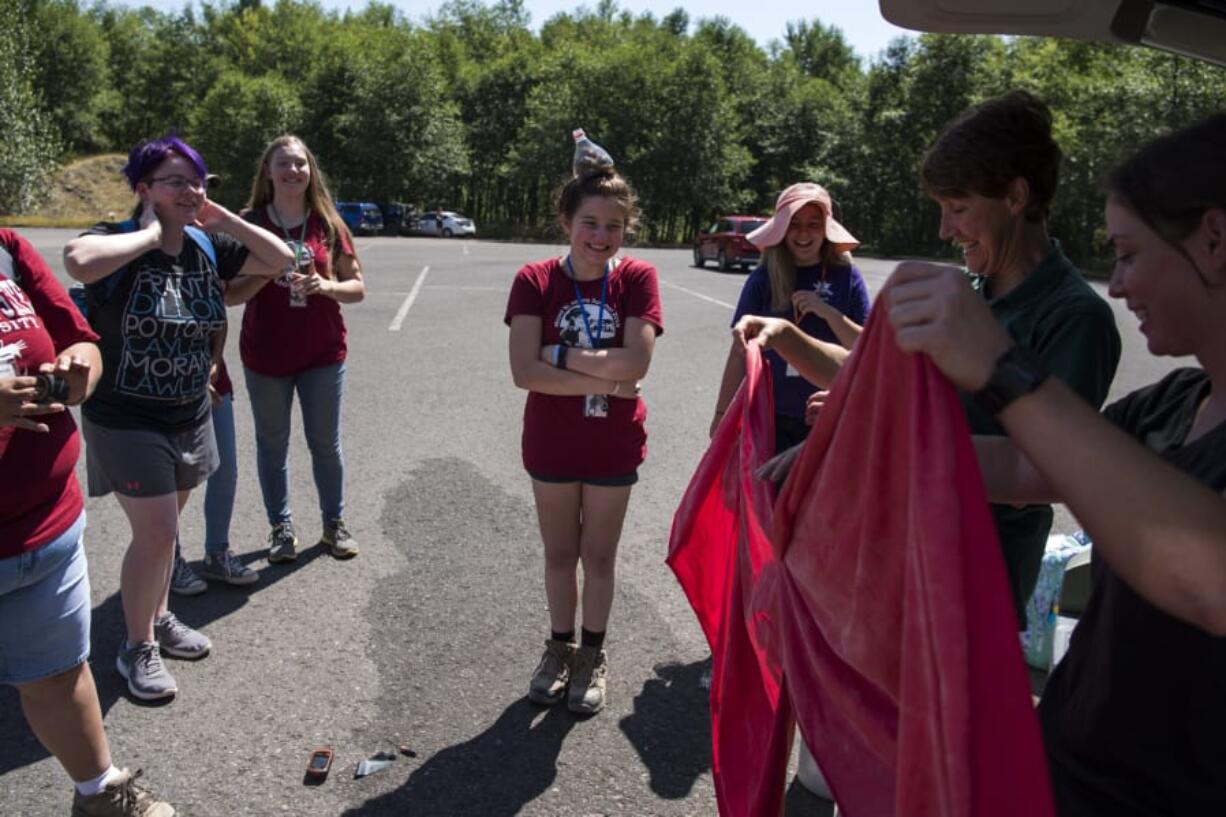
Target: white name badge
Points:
x,y
595,405
791,372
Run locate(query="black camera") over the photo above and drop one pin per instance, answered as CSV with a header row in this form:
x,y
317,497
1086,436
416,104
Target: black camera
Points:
x,y
50,388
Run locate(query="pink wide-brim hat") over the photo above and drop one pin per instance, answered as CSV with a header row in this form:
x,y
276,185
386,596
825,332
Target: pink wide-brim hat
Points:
x,y
791,200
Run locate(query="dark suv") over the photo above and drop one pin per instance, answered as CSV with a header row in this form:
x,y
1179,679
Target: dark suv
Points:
x,y
724,242
397,217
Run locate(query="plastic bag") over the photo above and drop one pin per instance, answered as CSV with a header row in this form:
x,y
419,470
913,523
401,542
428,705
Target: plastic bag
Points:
x,y
589,156
1038,637
375,763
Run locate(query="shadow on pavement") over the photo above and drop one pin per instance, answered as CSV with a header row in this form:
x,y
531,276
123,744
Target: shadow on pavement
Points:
x,y
106,630
800,802
499,771
670,728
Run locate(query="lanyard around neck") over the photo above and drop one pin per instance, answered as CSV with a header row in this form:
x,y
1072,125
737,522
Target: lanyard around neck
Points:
x,y
592,337
289,236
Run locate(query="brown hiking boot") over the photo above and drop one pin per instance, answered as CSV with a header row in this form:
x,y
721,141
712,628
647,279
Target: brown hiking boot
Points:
x,y
549,681
587,681
126,797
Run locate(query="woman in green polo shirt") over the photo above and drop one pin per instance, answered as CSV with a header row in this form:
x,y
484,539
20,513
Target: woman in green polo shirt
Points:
x,y
993,171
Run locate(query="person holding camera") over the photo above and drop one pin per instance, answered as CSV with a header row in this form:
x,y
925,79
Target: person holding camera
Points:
x,y
583,328
154,294
294,340
49,360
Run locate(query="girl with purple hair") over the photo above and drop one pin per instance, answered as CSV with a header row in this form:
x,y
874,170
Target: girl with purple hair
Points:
x,y
154,289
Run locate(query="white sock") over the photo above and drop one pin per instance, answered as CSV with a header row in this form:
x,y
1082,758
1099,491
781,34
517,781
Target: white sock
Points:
x,y
96,786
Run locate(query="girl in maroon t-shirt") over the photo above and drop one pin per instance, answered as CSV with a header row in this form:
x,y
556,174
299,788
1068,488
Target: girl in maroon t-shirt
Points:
x,y
583,328
293,340
44,578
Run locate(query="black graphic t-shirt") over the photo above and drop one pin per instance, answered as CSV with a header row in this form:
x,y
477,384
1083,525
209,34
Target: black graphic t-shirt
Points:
x,y
157,320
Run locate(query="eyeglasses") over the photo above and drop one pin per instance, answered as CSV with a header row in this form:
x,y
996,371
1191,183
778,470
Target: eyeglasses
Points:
x,y
178,183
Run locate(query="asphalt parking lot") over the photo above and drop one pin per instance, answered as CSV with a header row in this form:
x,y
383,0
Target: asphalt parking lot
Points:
x,y
428,638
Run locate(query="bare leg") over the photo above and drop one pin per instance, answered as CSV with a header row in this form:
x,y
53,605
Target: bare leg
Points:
x,y
144,580
604,510
164,605
63,712
557,510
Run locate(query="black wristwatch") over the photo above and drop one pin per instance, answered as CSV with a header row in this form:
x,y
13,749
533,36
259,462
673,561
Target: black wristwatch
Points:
x,y
1017,373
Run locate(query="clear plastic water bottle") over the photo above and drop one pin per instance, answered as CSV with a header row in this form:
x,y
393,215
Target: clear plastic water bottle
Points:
x,y
589,156
304,262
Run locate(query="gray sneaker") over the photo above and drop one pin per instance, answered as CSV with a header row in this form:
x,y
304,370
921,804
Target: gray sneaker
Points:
x,y
552,673
282,543
142,667
337,538
225,567
184,581
177,639
587,681
123,798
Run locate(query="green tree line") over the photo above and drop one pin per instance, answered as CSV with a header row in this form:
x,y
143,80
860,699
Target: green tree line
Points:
x,y
472,109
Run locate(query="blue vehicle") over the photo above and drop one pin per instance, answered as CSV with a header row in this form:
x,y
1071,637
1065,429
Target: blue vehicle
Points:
x,y
362,217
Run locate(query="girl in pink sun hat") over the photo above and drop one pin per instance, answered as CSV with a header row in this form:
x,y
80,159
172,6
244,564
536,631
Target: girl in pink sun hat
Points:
x,y
791,201
806,276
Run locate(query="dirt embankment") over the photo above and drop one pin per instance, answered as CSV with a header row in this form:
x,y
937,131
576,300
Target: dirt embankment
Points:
x,y
82,193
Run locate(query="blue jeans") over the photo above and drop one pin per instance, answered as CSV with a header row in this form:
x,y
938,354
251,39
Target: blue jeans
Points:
x,y
272,399
220,489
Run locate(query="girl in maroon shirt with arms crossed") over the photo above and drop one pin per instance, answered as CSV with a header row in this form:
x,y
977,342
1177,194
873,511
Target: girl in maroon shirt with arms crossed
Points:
x,y
583,328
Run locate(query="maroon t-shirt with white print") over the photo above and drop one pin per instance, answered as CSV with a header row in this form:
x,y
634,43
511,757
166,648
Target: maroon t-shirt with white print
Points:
x,y
40,497
280,340
558,440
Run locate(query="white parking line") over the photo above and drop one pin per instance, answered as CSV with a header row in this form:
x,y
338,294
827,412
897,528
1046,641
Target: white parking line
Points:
x,y
408,302
715,301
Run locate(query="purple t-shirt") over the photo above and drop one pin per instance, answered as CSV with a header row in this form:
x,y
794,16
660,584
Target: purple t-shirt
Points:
x,y
842,287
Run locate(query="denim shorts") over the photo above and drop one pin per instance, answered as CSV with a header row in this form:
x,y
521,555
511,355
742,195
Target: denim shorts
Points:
x,y
44,609
136,462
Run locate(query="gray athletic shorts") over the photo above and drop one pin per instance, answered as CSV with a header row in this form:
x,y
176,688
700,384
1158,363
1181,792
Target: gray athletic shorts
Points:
x,y
135,462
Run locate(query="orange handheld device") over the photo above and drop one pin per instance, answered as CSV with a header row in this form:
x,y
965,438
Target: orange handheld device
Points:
x,y
320,764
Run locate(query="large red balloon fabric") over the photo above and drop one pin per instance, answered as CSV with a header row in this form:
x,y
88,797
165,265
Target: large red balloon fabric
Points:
x,y
870,602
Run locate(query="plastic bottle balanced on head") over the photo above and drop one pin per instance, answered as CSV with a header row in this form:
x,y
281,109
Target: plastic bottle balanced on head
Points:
x,y
589,156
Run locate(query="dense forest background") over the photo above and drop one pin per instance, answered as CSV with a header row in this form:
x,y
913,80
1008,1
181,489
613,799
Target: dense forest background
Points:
x,y
472,109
